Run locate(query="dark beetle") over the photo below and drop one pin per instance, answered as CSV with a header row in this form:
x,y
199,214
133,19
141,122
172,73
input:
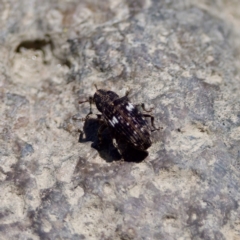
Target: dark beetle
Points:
x,y
124,120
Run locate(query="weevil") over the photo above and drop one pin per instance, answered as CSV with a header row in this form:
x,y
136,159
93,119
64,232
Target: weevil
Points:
x,y
124,120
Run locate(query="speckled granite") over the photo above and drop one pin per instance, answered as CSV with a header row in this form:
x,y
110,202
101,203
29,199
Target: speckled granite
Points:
x,y
182,57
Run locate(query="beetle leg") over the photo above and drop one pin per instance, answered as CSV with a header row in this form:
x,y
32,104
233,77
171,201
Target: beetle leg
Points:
x,y
144,109
75,118
90,100
99,117
127,92
142,105
152,122
115,143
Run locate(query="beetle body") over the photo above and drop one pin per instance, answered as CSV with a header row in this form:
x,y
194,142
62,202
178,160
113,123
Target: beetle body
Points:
x,y
123,119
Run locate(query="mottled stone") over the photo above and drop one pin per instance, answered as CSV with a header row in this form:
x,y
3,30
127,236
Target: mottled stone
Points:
x,y
182,57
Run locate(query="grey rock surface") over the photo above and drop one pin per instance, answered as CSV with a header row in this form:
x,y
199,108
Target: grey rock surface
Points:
x,y
182,57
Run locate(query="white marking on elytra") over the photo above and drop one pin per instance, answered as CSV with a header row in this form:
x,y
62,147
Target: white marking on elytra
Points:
x,y
111,123
129,107
114,120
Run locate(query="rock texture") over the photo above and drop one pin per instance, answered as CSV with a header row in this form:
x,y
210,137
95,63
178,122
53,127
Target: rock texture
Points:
x,y
182,57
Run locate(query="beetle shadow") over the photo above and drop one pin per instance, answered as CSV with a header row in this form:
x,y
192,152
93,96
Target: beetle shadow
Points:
x,y
129,153
107,150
